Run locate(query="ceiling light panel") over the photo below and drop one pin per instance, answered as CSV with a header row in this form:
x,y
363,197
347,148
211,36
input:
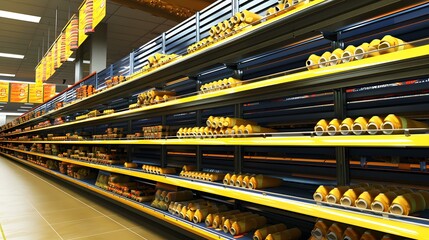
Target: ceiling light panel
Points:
x,y
19,16
10,55
7,75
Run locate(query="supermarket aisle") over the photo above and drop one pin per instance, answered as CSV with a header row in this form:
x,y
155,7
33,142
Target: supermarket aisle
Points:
x,y
34,206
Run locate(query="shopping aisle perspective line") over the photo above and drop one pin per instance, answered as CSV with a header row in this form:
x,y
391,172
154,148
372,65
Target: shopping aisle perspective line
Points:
x,y
35,206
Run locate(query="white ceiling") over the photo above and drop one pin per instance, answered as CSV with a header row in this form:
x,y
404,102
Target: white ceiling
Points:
x,y
127,29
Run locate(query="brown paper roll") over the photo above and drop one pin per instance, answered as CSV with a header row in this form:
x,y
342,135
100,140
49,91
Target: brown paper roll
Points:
x,y
336,56
403,204
239,180
335,194
374,125
167,170
321,127
289,234
368,235
425,195
383,201
197,205
321,193
320,229
162,195
158,194
189,168
209,121
361,52
189,215
392,122
391,44
262,233
201,214
130,165
261,181
373,48
388,237
247,225
312,62
350,196
232,179
335,231
179,196
249,17
227,224
348,54
212,177
359,126
333,127
346,126
366,198
220,219
352,233
212,216
249,129
227,178
162,205
324,59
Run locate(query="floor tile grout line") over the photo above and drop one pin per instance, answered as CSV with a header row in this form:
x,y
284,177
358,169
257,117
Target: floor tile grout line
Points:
x,y
46,221
92,235
81,202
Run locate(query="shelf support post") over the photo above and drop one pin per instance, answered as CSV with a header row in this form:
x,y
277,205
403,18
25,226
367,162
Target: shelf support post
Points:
x,y
163,147
199,152
238,150
343,166
197,27
342,160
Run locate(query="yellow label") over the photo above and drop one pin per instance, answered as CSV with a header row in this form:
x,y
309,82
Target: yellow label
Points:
x,y
19,92
35,93
4,91
82,22
48,91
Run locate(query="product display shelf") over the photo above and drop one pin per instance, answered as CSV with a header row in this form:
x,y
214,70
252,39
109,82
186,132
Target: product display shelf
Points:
x,y
411,227
407,63
394,140
198,229
326,13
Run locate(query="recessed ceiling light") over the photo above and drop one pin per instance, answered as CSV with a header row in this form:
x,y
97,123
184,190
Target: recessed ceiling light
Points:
x,y
7,75
19,16
70,59
10,55
86,61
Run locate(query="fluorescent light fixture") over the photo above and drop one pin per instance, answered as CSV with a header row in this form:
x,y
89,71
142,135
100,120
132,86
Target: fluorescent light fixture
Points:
x,y
3,103
29,104
7,75
22,110
10,55
84,61
26,107
19,16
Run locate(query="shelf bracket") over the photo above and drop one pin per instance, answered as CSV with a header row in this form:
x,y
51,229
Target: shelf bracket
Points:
x,y
343,166
340,103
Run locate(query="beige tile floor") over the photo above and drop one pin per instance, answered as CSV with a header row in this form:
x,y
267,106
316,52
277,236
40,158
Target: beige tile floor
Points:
x,y
34,206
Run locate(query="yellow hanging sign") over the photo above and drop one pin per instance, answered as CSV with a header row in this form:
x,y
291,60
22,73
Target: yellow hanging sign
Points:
x,y
4,91
35,93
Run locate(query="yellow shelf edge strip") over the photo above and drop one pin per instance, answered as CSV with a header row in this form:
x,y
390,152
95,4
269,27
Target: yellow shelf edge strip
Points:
x,y
392,226
394,140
